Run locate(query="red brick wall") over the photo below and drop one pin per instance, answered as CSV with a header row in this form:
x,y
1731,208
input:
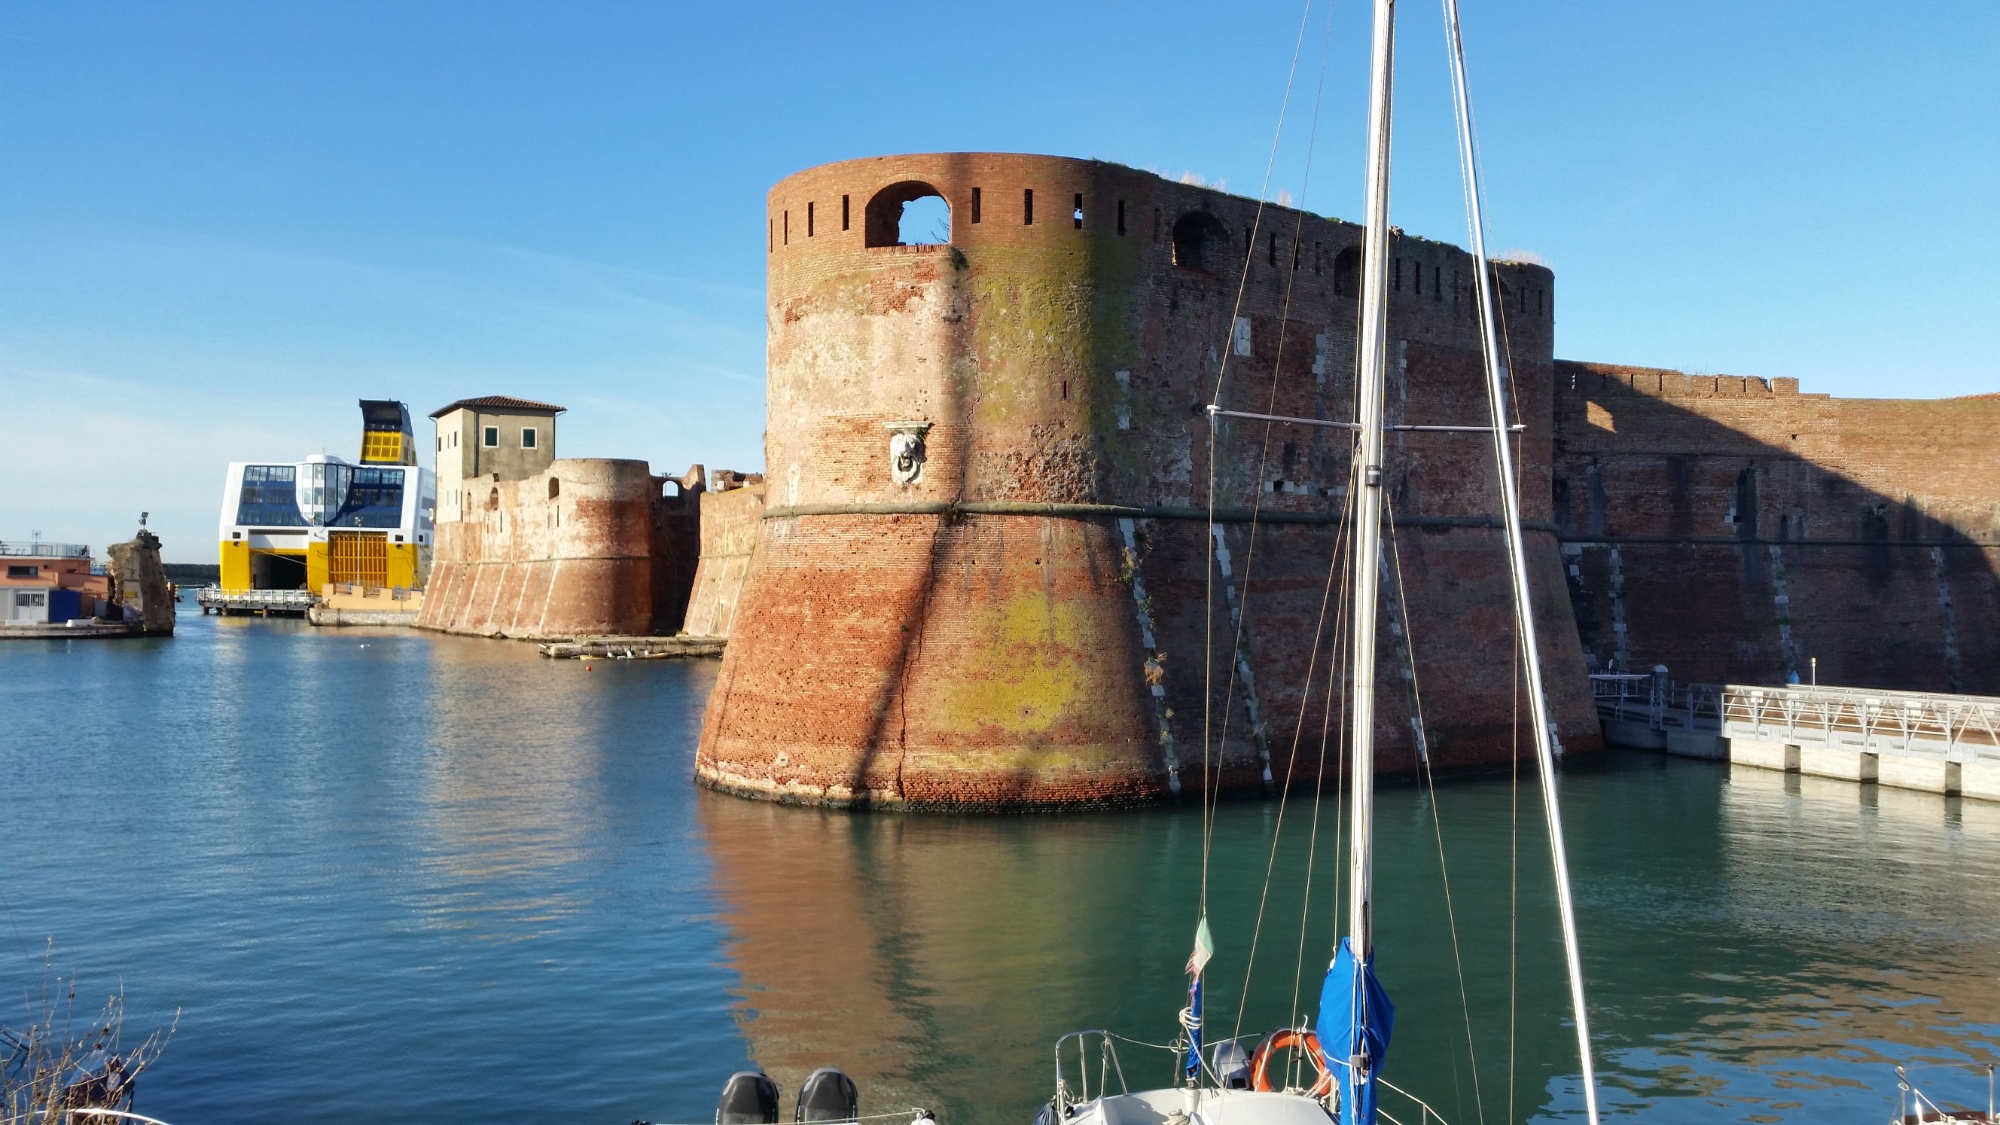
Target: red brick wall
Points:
x,y
1874,519
587,560
730,525
898,654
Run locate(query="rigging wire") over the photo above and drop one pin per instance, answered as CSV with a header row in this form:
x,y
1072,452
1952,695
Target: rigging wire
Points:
x,y
1493,341
1242,602
1516,650
1333,570
1437,821
1334,689
1513,872
1211,777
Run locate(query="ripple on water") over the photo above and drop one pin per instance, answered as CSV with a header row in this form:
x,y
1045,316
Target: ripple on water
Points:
x,y
403,877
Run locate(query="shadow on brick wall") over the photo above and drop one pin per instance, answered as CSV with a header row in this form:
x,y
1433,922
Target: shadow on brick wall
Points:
x,y
1736,531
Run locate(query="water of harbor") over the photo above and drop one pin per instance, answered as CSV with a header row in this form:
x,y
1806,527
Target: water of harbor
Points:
x,y
390,877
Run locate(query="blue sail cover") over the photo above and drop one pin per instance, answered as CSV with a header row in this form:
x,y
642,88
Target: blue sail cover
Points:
x,y
1193,1069
1357,1032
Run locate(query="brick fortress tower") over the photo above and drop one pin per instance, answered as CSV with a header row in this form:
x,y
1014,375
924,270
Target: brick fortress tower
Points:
x,y
984,575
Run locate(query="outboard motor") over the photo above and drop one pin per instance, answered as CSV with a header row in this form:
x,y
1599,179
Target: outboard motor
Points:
x,y
1232,1066
828,1095
748,1098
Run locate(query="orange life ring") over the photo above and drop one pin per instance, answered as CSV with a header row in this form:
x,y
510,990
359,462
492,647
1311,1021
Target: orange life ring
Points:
x,y
1289,1039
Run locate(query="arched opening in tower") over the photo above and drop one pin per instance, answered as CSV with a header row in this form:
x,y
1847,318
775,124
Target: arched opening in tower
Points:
x,y
910,213
1347,272
1200,241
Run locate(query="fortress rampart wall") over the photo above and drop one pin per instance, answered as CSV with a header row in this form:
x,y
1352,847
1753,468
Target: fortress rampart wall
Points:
x,y
1024,619
587,547
731,522
1733,529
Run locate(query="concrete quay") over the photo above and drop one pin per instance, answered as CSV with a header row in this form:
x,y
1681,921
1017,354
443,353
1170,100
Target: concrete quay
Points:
x,y
1930,743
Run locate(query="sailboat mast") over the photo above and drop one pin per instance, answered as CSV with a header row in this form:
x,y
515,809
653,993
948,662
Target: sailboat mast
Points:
x,y
1368,390
1496,392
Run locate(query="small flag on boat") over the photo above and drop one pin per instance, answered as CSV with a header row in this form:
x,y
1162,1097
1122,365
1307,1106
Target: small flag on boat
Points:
x,y
1204,948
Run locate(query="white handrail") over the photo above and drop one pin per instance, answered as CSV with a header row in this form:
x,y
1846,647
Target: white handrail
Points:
x,y
1957,727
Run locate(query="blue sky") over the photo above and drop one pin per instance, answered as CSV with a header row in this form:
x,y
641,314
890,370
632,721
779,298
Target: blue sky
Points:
x,y
223,223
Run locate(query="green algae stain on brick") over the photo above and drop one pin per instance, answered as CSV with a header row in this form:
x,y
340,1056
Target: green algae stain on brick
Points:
x,y
1022,674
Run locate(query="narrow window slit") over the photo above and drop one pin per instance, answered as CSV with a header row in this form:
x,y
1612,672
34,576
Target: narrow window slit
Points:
x,y
1076,212
1121,217
1027,207
844,213
975,205
809,219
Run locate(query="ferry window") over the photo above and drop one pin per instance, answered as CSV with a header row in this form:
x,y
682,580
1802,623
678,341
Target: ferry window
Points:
x,y
268,499
374,499
492,437
527,437
24,572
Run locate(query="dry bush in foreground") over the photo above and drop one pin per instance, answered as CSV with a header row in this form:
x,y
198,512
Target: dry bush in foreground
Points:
x,y
53,1067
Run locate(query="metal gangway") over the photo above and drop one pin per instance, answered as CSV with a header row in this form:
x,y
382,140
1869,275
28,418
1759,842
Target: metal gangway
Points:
x,y
263,603
1656,712
1953,728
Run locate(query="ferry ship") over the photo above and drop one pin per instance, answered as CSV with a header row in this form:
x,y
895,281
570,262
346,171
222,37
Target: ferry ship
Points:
x,y
324,520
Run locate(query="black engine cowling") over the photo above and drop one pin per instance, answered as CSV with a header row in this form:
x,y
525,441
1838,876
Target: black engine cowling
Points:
x,y
828,1095
748,1098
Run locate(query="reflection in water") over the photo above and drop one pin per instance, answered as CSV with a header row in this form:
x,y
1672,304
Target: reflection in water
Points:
x,y
1755,951
937,958
397,877
1889,902
384,876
